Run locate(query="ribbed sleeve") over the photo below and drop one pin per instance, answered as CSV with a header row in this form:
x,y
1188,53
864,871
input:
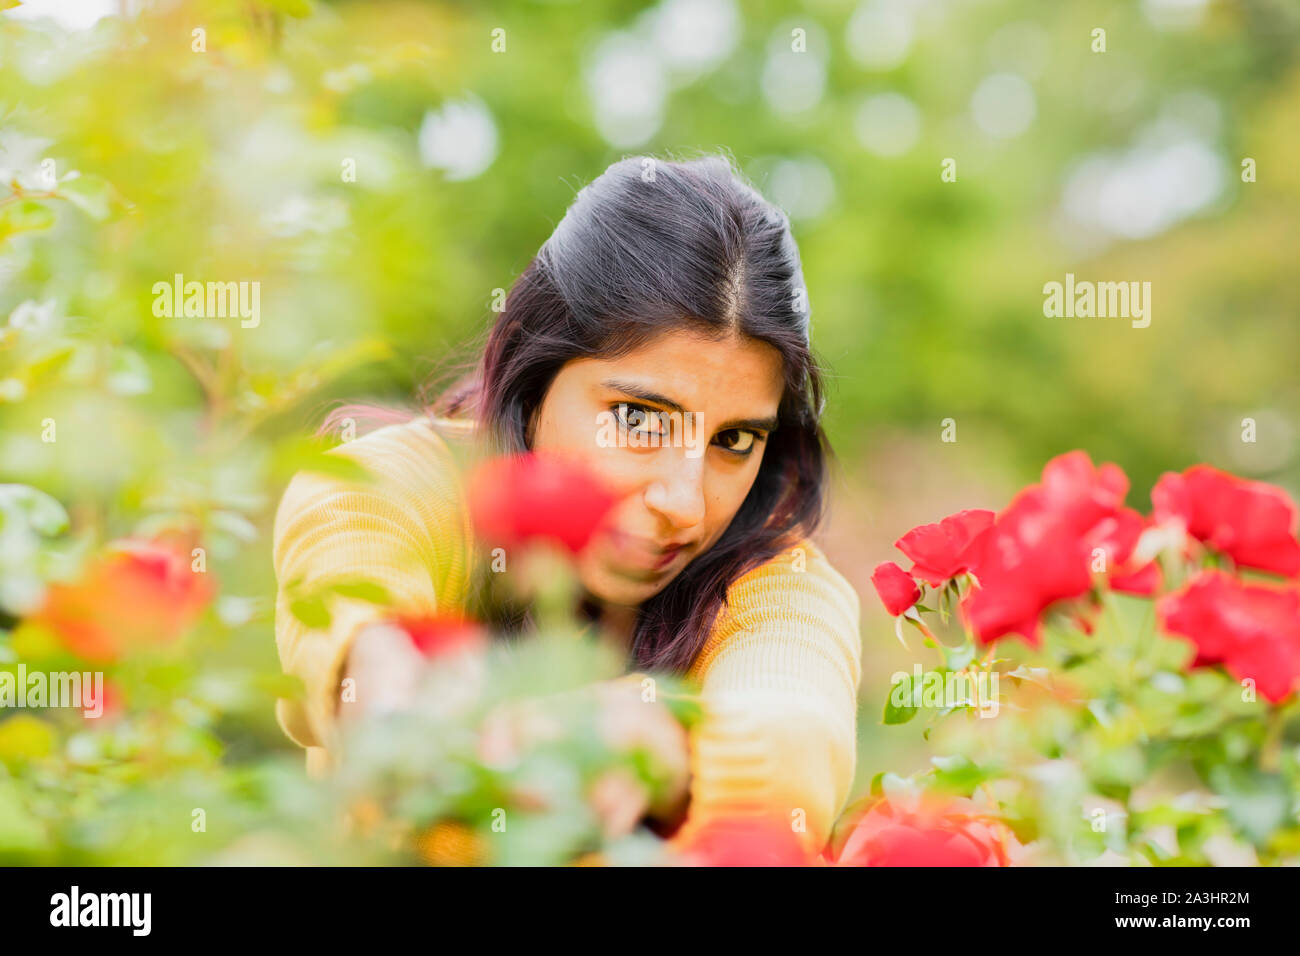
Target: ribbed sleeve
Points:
x,y
406,530
779,678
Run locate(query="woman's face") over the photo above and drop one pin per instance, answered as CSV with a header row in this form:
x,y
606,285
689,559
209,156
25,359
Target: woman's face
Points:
x,y
678,429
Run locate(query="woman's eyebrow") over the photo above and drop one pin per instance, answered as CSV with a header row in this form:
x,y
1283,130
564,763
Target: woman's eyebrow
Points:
x,y
767,424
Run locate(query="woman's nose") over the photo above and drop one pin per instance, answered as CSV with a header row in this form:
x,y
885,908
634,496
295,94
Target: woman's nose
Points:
x,y
678,493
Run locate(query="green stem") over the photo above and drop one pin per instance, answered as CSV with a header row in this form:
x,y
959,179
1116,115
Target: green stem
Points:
x,y
1270,753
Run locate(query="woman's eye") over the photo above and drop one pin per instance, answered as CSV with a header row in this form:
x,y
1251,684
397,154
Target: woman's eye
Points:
x,y
737,440
638,418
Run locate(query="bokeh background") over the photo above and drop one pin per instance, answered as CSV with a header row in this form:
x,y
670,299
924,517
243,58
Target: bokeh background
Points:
x,y
471,125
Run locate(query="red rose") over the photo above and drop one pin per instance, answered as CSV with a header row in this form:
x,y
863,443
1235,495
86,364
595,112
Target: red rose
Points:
x,y
897,590
1032,559
435,635
1118,536
745,841
1039,550
1145,581
134,593
1251,522
944,550
1253,630
1080,493
519,499
932,834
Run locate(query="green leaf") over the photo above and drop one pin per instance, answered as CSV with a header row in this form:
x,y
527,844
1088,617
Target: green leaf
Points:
x,y
362,591
958,774
897,712
956,658
25,215
311,611
309,454
50,362
685,707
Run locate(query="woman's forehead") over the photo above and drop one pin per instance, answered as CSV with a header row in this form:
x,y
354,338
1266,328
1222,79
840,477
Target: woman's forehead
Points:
x,y
688,367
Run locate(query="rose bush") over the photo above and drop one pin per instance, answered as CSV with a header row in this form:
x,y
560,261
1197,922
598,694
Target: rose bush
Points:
x,y
533,753
1152,663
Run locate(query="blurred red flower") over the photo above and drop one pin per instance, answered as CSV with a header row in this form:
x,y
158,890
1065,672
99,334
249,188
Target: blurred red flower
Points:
x,y
897,590
944,550
112,703
1146,581
134,593
518,499
1252,522
1253,630
745,841
1118,536
1040,547
933,833
435,635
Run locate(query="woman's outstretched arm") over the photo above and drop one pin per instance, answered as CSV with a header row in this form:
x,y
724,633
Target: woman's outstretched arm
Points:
x,y
403,530
779,679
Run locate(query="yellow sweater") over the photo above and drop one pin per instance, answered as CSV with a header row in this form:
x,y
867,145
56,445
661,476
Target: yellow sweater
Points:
x,y
778,674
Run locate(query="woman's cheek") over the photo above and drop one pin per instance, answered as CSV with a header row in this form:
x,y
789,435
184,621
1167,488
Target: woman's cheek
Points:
x,y
727,494
623,469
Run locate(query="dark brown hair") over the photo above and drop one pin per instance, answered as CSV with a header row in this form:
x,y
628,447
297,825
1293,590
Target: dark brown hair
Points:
x,y
649,246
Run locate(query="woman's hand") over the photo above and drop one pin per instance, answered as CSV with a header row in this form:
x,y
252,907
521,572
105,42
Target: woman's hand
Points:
x,y
628,721
383,674
384,667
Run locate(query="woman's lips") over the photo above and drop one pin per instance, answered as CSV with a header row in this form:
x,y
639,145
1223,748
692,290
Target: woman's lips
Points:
x,y
641,553
668,558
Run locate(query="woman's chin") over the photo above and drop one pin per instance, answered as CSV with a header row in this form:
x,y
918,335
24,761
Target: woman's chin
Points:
x,y
623,586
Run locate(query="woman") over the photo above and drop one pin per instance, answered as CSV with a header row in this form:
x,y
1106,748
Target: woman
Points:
x,y
669,300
